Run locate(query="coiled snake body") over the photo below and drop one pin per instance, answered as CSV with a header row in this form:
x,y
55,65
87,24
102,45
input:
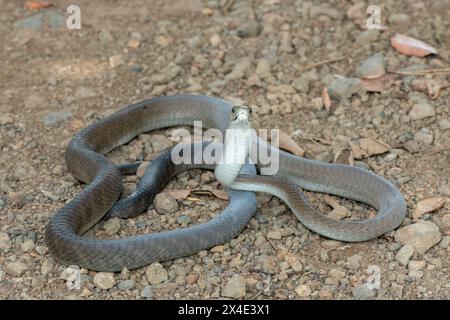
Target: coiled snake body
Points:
x,y
86,161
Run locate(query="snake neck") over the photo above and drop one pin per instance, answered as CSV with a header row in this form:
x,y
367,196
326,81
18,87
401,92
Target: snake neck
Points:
x,y
236,151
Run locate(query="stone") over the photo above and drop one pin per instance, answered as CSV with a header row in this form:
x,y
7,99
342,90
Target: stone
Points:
x,y
162,41
423,136
16,268
263,68
367,37
125,285
147,292
363,292
48,17
303,291
330,244
116,60
47,266
235,288
249,29
83,92
344,88
104,280
28,246
444,124
324,10
164,203
421,110
56,117
112,226
267,264
239,70
404,254
166,74
5,242
421,235
276,235
372,67
399,19
156,273
133,43
215,40
184,219
353,262
445,242
5,119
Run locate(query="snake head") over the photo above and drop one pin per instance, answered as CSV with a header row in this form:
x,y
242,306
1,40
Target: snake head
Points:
x,y
241,113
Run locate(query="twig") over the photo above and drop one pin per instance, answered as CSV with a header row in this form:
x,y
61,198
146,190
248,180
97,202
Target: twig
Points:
x,y
425,72
41,205
320,63
270,241
227,6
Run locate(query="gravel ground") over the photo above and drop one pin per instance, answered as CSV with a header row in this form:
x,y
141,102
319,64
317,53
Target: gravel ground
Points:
x,y
55,81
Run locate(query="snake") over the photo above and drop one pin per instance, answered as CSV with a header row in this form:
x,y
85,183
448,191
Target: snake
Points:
x,y
85,159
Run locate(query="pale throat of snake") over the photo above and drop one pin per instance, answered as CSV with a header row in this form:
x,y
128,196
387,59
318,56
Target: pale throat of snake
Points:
x,y
236,145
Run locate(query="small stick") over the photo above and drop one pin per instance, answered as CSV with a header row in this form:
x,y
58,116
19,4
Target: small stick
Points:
x,y
439,71
227,6
270,241
320,63
41,205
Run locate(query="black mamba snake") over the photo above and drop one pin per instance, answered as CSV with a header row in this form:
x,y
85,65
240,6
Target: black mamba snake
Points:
x,y
85,160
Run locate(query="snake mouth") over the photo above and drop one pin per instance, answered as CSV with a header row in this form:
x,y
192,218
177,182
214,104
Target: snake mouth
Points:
x,y
241,112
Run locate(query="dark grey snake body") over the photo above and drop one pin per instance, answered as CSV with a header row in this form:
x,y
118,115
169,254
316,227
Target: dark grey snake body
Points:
x,y
85,160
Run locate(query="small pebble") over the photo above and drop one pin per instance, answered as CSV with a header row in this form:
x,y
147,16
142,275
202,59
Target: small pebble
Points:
x,y
235,288
112,226
104,280
115,61
164,203
156,273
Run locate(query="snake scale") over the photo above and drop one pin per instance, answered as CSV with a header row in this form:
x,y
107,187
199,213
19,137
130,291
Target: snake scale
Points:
x,y
86,161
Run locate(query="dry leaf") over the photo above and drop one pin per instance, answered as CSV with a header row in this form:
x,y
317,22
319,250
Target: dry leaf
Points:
x,y
345,156
379,84
411,47
339,212
221,194
34,5
326,99
179,194
431,86
373,147
357,152
331,202
286,143
428,205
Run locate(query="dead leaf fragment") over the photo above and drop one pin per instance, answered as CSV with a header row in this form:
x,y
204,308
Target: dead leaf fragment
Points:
x,y
339,212
428,205
326,99
431,86
411,47
286,143
179,194
357,152
373,147
380,84
35,5
221,194
345,156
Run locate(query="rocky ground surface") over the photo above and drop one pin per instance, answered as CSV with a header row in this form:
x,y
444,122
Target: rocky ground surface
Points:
x,y
55,81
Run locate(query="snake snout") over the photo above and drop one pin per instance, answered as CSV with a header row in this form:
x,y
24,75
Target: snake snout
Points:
x,y
240,112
